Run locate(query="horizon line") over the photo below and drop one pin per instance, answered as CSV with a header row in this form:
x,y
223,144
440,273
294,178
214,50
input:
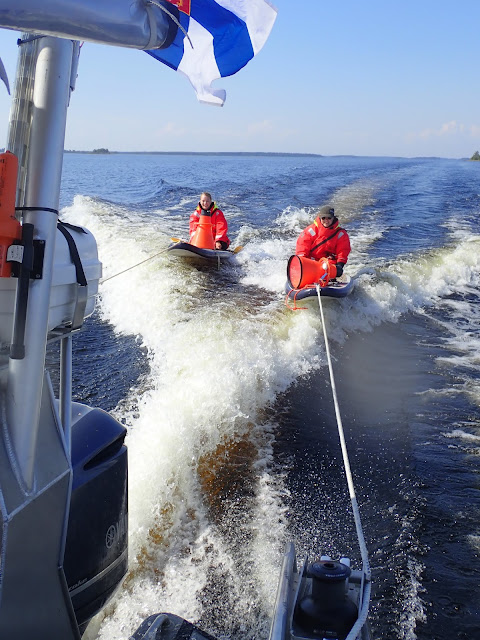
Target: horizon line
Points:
x,y
105,151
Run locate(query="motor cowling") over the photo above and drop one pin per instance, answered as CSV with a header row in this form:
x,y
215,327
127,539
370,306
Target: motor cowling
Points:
x,y
96,554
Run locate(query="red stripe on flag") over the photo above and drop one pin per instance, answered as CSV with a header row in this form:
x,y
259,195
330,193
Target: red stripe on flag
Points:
x,y
182,5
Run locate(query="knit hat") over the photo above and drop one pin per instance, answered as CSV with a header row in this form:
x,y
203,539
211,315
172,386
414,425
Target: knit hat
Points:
x,y
327,210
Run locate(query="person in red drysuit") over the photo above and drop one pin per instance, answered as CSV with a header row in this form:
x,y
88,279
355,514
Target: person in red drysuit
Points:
x,y
324,238
219,223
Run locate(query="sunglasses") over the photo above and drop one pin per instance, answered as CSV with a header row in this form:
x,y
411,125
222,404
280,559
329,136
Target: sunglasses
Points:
x,y
327,217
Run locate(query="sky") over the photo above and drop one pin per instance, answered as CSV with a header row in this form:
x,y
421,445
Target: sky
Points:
x,y
345,77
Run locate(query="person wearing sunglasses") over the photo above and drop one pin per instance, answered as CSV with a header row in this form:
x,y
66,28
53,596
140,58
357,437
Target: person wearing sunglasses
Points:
x,y
324,238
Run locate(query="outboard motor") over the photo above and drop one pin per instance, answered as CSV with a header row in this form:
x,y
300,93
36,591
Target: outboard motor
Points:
x,y
326,611
96,553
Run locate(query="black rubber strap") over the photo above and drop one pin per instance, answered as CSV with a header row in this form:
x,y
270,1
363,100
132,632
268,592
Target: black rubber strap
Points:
x,y
62,227
27,40
81,279
72,226
37,209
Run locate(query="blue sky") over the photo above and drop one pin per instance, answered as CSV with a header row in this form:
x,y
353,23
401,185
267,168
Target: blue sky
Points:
x,y
371,77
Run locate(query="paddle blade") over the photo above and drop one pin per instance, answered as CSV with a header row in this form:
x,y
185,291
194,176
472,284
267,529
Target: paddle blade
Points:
x,y
176,240
237,249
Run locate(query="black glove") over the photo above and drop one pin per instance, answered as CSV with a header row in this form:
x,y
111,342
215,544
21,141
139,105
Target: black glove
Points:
x,y
340,266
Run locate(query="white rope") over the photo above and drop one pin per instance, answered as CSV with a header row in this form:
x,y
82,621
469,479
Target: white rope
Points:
x,y
134,266
355,631
365,590
155,4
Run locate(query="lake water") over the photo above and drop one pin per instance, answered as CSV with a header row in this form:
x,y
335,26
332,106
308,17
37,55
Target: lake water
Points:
x,y
232,437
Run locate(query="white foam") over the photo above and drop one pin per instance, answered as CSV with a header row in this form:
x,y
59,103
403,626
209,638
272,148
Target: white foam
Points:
x,y
214,368
460,434
216,365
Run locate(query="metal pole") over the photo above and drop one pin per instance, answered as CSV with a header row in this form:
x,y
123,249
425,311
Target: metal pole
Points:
x,y
66,390
42,189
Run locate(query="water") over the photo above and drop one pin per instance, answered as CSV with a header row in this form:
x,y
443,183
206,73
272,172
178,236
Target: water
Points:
x,y
233,443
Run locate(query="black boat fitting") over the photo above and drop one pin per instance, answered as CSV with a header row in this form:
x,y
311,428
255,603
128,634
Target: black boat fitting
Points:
x,y
326,611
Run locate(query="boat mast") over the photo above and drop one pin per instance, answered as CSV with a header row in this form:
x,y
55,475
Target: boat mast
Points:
x,y
36,473
43,159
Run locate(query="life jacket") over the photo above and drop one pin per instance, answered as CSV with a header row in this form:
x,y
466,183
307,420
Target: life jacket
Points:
x,y
207,212
318,242
219,223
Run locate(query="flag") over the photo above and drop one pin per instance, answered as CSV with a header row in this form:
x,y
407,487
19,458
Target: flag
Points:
x,y
214,39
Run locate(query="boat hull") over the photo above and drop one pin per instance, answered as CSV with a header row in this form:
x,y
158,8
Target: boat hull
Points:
x,y
197,254
338,288
295,586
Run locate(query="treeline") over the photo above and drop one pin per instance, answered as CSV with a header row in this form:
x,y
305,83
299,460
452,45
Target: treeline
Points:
x,y
206,153
476,156
101,150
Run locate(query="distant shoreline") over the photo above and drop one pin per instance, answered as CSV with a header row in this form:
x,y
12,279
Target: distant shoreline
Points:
x,y
196,153
264,154
278,154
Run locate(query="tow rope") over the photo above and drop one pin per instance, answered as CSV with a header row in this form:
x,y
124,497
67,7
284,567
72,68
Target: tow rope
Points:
x,y
366,575
134,266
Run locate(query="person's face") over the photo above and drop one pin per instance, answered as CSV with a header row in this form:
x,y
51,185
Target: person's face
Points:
x,y
327,221
205,202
